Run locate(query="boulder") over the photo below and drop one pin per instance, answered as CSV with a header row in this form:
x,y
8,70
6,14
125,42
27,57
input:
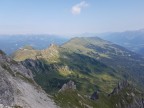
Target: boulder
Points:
x,y
68,86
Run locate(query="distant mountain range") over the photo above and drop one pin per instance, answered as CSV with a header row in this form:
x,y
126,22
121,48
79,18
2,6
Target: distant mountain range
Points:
x,y
11,43
132,40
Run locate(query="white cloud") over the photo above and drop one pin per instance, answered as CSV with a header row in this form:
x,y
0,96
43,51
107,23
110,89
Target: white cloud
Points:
x,y
76,9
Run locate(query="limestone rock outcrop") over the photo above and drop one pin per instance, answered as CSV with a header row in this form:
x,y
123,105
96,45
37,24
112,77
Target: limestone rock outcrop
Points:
x,y
68,86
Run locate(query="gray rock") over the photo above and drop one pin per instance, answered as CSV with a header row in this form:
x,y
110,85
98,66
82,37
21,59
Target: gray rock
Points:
x,y
119,87
130,99
6,89
68,86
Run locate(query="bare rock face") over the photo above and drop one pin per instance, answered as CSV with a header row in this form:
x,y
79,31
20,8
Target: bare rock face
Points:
x,y
68,86
128,96
35,65
6,90
17,87
120,86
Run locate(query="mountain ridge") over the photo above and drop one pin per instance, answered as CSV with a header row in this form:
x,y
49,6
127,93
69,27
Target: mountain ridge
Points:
x,y
93,64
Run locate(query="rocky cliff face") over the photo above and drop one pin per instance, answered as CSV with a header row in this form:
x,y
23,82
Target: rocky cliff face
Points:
x,y
119,88
17,87
126,96
36,66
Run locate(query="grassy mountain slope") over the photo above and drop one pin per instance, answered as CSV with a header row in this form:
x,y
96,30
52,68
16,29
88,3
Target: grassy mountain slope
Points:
x,y
56,65
92,63
127,64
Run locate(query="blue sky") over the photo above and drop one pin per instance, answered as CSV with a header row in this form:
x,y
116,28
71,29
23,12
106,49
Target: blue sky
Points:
x,y
70,16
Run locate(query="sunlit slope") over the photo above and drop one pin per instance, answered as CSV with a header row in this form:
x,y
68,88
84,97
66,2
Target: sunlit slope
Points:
x,y
125,62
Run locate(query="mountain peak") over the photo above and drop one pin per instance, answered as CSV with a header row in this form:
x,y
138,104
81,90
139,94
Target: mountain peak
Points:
x,y
53,46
